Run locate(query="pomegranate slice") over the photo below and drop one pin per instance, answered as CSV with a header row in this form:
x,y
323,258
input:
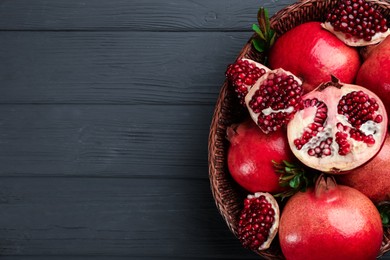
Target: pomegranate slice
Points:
x,y
259,221
274,99
340,127
357,23
243,74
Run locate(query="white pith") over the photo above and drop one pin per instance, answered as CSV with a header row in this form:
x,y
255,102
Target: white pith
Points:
x,y
334,162
269,110
353,41
275,226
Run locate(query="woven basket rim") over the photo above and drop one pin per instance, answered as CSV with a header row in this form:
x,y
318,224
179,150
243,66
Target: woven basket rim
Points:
x,y
225,192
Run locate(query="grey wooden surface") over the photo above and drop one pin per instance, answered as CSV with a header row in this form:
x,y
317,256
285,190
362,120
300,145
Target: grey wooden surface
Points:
x,y
105,109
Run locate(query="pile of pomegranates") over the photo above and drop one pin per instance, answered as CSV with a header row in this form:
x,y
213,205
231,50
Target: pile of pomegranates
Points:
x,y
312,152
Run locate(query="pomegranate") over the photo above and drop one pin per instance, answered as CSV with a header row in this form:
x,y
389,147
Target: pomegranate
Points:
x,y
243,74
313,54
250,156
357,23
373,178
274,99
374,73
330,221
259,221
340,127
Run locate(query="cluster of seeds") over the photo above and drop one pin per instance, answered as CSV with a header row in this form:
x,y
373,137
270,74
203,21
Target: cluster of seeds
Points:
x,y
342,139
242,75
275,101
357,18
359,108
255,222
310,131
323,149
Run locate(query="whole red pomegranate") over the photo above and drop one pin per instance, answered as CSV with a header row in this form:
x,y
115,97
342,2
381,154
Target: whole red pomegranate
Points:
x,y
314,54
330,222
373,178
339,127
250,156
374,73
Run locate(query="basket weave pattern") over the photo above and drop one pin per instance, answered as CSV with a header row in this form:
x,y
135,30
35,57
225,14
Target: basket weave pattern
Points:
x,y
228,196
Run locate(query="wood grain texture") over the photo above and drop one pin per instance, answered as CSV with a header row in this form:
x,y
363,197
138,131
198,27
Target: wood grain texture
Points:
x,y
90,140
105,109
134,15
115,67
145,218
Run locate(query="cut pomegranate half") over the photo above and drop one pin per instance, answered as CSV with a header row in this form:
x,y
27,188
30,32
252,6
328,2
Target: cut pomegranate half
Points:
x,y
357,23
243,74
274,99
259,221
340,127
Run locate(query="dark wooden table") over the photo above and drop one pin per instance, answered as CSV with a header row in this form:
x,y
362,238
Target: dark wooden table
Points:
x,y
104,120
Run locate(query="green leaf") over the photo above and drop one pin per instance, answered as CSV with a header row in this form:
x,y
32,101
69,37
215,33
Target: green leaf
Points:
x,y
272,37
256,28
258,44
261,19
384,210
294,177
288,164
295,182
267,24
266,36
284,184
385,219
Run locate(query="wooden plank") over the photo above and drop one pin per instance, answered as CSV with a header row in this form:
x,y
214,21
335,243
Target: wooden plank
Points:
x,y
139,218
115,67
135,15
111,140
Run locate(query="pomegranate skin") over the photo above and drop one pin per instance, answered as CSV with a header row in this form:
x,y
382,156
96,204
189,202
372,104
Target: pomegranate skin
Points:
x,y
341,223
314,54
374,74
250,156
373,178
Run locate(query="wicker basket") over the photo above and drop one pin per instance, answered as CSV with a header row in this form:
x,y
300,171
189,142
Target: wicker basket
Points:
x,y
228,196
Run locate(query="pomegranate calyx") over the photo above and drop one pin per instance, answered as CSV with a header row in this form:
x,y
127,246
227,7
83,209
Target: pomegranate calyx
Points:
x,y
324,184
293,177
335,82
231,131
